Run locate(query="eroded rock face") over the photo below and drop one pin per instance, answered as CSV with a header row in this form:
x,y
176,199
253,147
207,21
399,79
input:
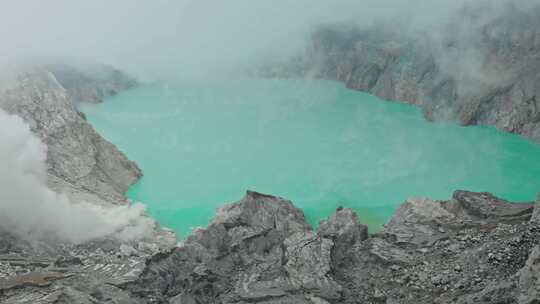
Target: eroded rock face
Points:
x,y
453,251
259,249
80,162
345,230
85,167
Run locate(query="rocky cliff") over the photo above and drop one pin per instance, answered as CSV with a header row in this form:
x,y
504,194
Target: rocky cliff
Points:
x,y
88,169
482,68
80,161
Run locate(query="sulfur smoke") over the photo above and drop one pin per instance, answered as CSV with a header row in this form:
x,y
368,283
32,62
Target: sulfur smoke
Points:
x,y
29,209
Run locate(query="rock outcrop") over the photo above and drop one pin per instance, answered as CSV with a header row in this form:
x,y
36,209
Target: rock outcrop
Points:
x,y
260,250
80,162
87,168
483,68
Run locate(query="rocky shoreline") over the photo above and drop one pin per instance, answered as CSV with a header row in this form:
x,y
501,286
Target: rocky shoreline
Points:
x,y
473,248
482,68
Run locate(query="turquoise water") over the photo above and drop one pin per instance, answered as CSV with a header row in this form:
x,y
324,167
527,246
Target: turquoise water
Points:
x,y
313,142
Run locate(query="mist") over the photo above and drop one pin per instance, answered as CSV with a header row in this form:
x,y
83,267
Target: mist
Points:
x,y
184,38
33,212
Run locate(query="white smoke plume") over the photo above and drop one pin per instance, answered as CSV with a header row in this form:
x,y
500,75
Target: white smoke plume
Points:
x,y
29,209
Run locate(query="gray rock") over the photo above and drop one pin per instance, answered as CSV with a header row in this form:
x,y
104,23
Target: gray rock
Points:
x,y
418,221
388,252
85,167
424,221
309,265
345,230
259,249
79,160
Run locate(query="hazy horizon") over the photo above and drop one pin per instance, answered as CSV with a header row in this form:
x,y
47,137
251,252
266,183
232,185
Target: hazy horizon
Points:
x,y
163,38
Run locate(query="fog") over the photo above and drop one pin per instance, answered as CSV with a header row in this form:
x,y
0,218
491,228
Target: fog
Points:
x,y
32,211
166,38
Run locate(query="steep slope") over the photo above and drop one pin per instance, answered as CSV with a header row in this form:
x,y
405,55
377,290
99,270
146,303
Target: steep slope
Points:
x,y
78,157
89,170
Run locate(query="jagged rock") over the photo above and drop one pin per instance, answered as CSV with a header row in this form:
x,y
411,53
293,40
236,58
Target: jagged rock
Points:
x,y
424,221
85,167
388,252
418,221
308,264
260,249
345,230
486,207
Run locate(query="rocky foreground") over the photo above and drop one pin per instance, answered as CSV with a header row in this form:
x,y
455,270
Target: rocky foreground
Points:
x,y
483,67
474,248
86,168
